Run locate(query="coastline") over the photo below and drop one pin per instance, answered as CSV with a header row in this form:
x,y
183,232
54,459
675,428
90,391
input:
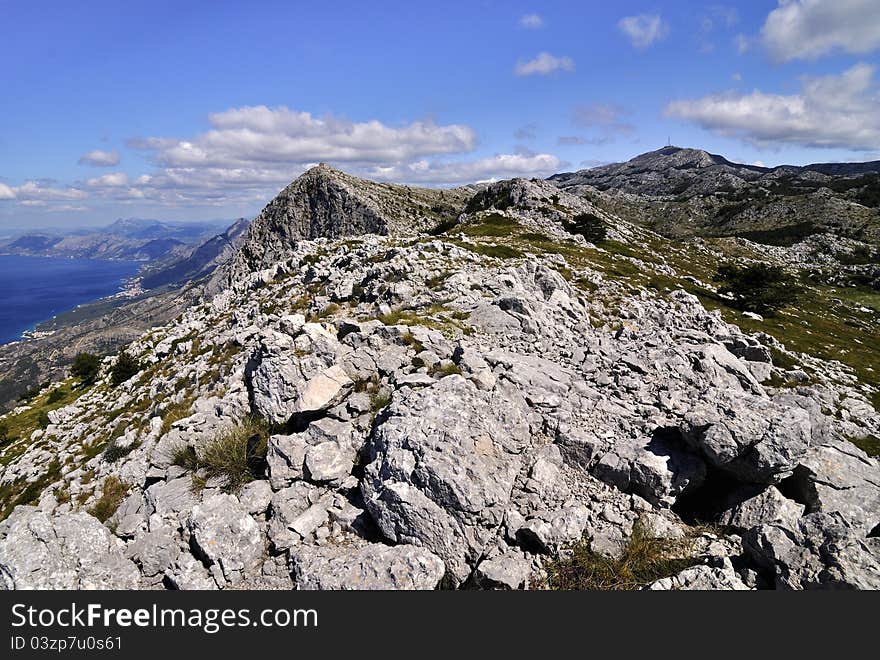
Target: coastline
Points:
x,y
129,288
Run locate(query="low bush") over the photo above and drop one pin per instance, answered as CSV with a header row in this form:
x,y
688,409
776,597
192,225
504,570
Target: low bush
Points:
x,y
125,367
589,226
760,288
85,367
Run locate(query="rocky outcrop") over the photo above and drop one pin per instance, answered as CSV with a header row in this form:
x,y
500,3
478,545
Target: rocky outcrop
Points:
x,y
72,551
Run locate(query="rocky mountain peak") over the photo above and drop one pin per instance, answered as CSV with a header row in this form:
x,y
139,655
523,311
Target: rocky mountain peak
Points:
x,y
324,202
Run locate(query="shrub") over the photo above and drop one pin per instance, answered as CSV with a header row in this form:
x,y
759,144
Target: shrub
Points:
x,y
645,559
85,367
43,419
235,457
111,497
443,227
124,368
379,400
759,288
4,433
56,395
185,457
114,451
589,226
444,370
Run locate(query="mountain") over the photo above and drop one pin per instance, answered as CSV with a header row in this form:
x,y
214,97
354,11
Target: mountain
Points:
x,y
197,262
689,192
129,239
325,202
388,387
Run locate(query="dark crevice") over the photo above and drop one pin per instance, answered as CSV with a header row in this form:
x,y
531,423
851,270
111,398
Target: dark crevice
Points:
x,y
801,488
705,503
299,422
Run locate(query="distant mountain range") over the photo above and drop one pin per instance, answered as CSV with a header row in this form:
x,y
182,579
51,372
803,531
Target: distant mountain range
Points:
x,y
689,192
129,239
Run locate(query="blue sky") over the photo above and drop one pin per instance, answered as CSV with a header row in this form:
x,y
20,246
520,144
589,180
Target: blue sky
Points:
x,y
202,110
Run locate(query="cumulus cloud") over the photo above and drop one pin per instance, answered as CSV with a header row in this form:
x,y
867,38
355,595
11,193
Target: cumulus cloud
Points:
x,y
249,153
835,111
98,158
807,29
257,134
531,21
644,30
34,193
500,166
113,180
543,65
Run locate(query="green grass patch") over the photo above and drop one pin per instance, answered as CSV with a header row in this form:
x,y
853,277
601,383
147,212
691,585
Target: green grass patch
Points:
x,y
645,559
235,457
114,491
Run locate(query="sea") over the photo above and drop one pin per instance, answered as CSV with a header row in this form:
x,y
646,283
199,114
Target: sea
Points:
x,y
34,289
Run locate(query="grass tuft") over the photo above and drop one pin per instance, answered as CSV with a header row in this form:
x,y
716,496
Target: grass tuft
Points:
x,y
645,559
235,457
111,497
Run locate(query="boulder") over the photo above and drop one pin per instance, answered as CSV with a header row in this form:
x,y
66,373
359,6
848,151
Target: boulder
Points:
x,y
769,506
749,437
823,552
370,567
443,462
69,551
225,534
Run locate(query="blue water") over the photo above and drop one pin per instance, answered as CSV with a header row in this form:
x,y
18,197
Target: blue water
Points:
x,y
34,289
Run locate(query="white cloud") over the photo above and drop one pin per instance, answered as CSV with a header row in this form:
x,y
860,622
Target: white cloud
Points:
x,y
531,21
742,43
644,30
500,166
807,29
113,180
835,111
543,65
254,135
250,153
35,191
98,158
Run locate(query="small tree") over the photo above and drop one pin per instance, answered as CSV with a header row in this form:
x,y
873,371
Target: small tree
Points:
x,y
589,226
124,368
759,288
86,367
